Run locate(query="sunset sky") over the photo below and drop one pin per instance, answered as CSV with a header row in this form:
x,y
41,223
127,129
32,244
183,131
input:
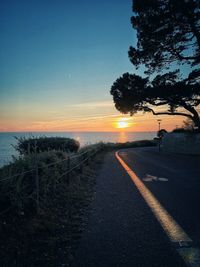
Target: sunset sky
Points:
x,y
58,62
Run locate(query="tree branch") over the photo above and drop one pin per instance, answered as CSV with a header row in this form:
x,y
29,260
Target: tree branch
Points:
x,y
189,108
158,104
170,113
179,56
193,25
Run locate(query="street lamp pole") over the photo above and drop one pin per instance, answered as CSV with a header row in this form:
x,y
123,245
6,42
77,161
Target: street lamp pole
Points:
x,y
159,141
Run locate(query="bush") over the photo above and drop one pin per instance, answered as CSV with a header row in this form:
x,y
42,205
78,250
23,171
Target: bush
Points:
x,y
182,130
161,133
19,192
186,130
31,145
141,143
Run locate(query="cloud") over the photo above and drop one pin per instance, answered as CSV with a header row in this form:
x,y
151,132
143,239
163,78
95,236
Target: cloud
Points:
x,y
99,104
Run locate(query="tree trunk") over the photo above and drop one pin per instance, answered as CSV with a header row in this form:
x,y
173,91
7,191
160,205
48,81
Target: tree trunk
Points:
x,y
195,116
196,120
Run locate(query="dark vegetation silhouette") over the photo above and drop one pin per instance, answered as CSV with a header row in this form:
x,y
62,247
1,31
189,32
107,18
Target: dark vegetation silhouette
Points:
x,y
41,144
161,133
168,35
44,208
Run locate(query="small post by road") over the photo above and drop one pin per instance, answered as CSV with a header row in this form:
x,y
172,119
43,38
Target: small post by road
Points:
x,y
68,168
159,141
37,180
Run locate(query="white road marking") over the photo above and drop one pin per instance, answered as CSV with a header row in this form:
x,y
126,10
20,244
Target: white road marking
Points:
x,y
175,232
151,178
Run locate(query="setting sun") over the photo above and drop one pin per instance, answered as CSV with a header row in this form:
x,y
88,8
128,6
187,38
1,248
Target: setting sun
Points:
x,y
122,124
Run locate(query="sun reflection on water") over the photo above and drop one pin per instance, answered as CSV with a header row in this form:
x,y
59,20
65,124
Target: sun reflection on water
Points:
x,y
122,137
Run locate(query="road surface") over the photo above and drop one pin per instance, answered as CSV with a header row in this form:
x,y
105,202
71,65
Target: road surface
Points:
x,y
123,230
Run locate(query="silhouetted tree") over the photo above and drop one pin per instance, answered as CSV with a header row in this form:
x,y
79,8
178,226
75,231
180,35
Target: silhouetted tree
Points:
x,y
168,34
161,133
188,124
167,31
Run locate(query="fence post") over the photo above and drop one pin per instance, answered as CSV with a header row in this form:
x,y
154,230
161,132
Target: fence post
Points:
x,y
29,149
37,180
81,158
87,157
68,168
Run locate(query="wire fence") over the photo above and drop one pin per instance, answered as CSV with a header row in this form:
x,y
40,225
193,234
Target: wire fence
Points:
x,y
33,181
81,157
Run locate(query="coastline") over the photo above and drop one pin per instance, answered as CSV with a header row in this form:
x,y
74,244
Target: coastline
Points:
x,y
7,140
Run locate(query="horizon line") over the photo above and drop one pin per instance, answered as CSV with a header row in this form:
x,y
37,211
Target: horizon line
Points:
x,y
120,131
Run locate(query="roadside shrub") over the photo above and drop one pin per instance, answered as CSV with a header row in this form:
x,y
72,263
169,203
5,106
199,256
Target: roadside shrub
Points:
x,y
19,192
161,133
141,143
182,130
40,176
31,145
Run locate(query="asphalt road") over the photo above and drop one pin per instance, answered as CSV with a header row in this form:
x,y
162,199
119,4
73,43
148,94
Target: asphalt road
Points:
x,y
122,230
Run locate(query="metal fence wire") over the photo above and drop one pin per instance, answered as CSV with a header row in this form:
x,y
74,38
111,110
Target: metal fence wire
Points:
x,y
72,163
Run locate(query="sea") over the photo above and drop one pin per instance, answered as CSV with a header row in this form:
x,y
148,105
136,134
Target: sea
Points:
x,y
8,140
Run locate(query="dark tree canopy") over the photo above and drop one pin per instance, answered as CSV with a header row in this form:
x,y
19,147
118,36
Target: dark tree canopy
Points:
x,y
168,33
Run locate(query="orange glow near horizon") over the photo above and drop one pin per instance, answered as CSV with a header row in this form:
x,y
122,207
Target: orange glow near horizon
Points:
x,y
85,118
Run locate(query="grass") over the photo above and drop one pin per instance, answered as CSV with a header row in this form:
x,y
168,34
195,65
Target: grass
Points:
x,y
48,238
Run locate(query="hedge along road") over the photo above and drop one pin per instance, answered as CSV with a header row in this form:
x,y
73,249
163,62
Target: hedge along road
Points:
x,y
122,229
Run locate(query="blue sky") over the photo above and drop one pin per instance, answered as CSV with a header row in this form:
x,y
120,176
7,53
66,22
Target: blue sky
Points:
x,y
59,59
58,53
58,47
